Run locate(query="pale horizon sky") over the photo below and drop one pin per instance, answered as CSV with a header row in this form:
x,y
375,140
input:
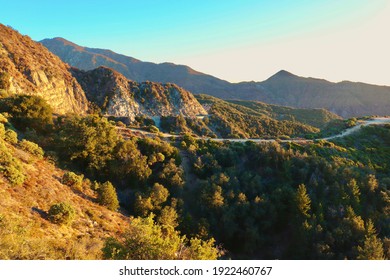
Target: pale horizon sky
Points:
x,y
232,40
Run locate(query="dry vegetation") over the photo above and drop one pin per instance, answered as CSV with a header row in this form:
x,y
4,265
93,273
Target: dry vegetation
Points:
x,y
26,232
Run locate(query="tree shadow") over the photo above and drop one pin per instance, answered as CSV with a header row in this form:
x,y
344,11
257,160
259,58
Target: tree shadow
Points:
x,y
41,213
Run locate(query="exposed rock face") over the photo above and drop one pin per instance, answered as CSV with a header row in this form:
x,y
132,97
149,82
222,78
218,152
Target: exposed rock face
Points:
x,y
118,96
27,67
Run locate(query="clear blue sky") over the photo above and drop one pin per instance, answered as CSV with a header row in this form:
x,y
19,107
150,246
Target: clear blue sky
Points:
x,y
233,40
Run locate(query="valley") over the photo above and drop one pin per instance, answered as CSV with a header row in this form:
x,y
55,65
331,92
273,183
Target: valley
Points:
x,y
167,136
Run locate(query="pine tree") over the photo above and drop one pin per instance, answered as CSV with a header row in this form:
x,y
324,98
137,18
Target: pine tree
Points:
x,y
303,201
372,248
107,196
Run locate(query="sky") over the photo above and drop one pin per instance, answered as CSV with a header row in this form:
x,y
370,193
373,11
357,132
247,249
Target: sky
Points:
x,y
242,40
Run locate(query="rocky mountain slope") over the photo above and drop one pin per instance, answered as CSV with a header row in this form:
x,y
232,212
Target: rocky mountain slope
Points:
x,y
346,99
90,58
27,67
118,96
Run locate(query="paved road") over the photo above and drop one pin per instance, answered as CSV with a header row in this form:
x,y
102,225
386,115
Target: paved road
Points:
x,y
357,127
375,121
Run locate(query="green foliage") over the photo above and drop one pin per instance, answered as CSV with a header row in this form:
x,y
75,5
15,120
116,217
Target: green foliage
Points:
x,y
180,124
31,148
129,163
146,240
231,120
88,142
247,200
303,201
28,112
202,250
2,131
61,213
107,196
72,180
153,129
152,201
3,119
372,248
313,117
10,166
11,136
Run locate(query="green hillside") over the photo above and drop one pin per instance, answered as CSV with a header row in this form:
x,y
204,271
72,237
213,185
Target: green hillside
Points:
x,y
314,117
230,119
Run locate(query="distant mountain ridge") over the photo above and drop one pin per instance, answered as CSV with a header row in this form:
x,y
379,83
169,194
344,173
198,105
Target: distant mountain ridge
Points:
x,y
27,67
347,99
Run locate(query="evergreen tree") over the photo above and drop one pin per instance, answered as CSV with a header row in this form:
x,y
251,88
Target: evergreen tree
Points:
x,y
372,248
107,196
303,201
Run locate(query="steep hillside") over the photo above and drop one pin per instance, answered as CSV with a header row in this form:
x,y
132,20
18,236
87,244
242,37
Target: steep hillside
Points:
x,y
237,121
30,185
49,213
90,58
118,96
26,67
346,99
314,117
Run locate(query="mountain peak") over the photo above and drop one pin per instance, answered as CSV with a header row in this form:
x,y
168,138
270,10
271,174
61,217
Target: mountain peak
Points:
x,y
60,41
283,74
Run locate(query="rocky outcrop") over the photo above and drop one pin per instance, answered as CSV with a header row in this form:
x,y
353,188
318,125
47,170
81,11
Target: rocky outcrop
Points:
x,y
27,67
347,99
118,96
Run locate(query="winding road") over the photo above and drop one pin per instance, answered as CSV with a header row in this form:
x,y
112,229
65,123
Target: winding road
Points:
x,y
374,121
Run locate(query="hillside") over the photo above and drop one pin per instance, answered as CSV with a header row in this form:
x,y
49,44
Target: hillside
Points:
x,y
314,117
347,99
30,185
232,120
50,213
26,67
118,96
90,58
256,201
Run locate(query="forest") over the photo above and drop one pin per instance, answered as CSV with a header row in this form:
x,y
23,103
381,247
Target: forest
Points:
x,y
318,200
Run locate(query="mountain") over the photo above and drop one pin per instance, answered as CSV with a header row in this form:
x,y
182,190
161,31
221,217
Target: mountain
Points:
x,y
26,67
347,99
118,96
90,58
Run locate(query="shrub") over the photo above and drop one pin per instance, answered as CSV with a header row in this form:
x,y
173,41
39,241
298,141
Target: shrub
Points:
x,y
153,129
11,136
3,119
107,196
10,167
31,148
2,131
72,180
61,213
146,240
28,112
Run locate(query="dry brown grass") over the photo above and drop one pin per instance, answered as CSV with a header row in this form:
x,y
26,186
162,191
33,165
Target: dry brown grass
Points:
x,y
25,232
